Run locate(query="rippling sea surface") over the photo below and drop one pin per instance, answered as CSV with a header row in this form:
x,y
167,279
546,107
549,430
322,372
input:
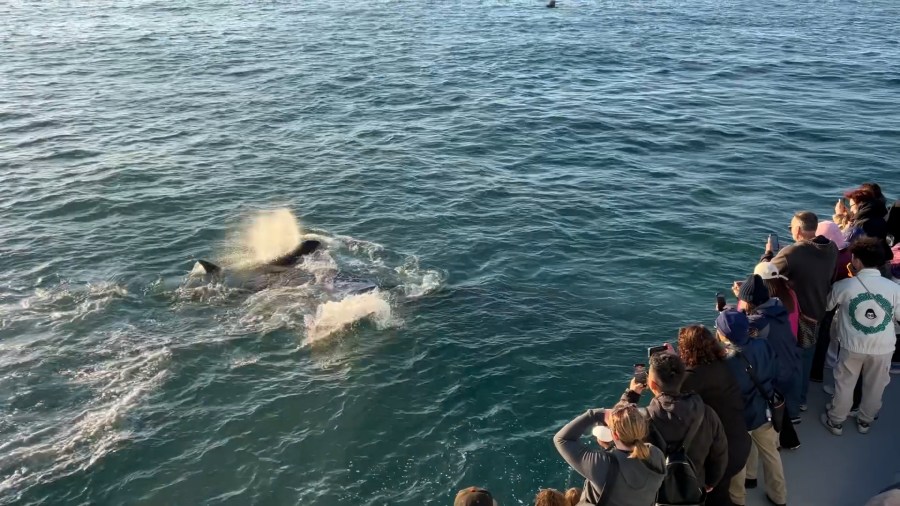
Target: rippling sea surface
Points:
x,y
540,193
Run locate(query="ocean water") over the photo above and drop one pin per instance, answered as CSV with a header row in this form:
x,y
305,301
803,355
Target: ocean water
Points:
x,y
539,194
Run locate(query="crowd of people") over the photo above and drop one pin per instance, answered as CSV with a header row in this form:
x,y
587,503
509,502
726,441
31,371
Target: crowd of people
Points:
x,y
725,402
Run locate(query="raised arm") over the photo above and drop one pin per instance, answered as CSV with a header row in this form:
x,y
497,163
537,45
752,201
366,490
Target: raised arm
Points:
x,y
585,460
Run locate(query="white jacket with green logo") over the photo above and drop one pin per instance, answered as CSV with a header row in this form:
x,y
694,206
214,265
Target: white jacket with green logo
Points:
x,y
868,306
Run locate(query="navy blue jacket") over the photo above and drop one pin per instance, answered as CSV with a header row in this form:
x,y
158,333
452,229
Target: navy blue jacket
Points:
x,y
761,357
770,322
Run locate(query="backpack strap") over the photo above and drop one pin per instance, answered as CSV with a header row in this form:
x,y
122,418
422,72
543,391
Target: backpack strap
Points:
x,y
753,378
695,428
612,474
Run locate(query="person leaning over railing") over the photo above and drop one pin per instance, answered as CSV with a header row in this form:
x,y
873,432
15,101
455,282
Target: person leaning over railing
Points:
x,y
709,376
629,472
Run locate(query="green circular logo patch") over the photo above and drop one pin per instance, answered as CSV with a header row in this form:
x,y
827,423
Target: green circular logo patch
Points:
x,y
870,315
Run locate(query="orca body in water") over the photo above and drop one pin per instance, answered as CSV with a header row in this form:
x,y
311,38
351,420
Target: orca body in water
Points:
x,y
288,260
262,276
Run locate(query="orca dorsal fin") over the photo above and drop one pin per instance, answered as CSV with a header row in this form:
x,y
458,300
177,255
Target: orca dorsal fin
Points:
x,y
205,267
305,248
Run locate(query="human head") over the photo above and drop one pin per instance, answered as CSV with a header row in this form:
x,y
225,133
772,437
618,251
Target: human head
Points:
x,y
832,232
803,225
697,346
867,252
474,496
573,495
629,426
666,374
732,326
778,287
550,497
874,188
753,292
858,197
767,270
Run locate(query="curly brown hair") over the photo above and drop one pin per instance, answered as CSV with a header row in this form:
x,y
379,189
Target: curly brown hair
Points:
x,y
550,497
697,346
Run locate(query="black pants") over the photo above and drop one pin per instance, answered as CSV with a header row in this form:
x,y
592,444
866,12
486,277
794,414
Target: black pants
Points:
x,y
719,495
817,373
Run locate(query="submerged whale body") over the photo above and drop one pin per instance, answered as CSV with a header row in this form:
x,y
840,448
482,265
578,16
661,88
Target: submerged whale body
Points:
x,y
261,276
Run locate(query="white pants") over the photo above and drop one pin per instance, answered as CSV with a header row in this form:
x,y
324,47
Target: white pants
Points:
x,y
875,372
831,357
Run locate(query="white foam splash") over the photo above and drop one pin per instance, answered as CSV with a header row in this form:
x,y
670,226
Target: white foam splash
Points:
x,y
334,316
261,237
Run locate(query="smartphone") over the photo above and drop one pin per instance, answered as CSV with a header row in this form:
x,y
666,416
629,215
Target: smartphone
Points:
x,y
656,349
640,373
773,240
720,301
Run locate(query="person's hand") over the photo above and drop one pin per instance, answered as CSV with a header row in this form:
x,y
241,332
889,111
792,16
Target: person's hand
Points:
x,y
840,209
736,288
635,386
670,349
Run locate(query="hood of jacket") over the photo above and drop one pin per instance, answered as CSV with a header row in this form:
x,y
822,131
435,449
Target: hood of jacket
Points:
x,y
639,474
673,415
820,242
771,309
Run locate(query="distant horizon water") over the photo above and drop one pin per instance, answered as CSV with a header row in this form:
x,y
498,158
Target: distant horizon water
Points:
x,y
539,195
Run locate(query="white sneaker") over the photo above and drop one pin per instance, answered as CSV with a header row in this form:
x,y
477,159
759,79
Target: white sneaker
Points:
x,y
829,389
834,428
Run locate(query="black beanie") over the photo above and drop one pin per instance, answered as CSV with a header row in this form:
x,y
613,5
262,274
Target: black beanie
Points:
x,y
754,291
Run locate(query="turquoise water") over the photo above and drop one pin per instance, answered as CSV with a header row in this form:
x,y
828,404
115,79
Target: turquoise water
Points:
x,y
542,193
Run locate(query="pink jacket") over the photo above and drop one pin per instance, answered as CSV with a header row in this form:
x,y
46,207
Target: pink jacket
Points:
x,y
794,317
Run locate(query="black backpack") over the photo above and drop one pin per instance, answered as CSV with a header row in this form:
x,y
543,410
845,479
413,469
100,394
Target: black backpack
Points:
x,y
681,487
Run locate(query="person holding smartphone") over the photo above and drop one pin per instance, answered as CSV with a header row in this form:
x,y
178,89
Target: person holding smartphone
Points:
x,y
675,413
809,263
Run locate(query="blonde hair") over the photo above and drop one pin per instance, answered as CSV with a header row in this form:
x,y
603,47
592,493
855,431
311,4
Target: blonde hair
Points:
x,y
550,497
573,495
630,426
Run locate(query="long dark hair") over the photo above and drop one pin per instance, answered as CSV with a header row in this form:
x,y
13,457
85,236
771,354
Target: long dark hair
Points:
x,y
697,346
779,288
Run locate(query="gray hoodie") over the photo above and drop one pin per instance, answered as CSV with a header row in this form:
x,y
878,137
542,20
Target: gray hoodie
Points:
x,y
638,480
